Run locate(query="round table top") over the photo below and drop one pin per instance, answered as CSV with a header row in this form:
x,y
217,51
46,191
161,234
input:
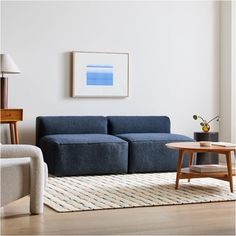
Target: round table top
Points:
x,y
195,146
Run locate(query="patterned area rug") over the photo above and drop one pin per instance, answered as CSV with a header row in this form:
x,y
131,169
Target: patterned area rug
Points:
x,y
66,194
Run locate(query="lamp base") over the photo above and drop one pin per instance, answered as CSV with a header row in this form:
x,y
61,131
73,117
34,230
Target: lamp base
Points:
x,y
4,92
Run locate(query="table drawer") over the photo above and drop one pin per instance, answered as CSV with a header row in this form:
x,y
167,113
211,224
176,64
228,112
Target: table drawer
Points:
x,y
11,115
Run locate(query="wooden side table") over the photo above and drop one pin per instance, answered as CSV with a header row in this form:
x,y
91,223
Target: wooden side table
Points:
x,y
11,117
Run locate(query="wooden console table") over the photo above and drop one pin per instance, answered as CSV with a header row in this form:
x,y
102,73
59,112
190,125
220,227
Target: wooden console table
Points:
x,y
11,117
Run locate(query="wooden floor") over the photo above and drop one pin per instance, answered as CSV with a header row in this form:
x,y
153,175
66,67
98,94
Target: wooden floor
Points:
x,y
193,219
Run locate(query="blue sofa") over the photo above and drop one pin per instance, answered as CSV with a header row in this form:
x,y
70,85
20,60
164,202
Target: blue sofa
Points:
x,y
91,145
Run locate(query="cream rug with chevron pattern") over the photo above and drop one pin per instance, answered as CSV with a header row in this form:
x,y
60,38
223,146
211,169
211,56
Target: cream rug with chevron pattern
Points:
x,y
66,194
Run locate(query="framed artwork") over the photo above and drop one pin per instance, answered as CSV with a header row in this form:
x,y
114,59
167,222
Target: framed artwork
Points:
x,y
100,74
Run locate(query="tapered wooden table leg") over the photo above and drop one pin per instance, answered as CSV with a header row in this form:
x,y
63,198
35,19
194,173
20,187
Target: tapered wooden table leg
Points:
x,y
191,155
16,133
229,167
12,133
179,165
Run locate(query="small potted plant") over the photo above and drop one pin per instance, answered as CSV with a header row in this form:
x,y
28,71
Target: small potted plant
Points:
x,y
204,123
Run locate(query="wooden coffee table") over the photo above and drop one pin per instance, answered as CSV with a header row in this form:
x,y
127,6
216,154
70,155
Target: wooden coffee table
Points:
x,y
194,147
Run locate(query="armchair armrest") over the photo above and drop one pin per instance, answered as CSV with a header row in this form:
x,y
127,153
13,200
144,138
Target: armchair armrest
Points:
x,y
36,171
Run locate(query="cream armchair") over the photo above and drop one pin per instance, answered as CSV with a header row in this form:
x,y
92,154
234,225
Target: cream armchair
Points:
x,y
23,172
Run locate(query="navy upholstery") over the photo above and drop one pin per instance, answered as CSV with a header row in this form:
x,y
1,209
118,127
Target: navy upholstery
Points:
x,y
138,124
148,153
84,154
89,145
46,125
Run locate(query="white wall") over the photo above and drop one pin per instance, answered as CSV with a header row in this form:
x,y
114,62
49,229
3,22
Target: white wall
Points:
x,y
174,58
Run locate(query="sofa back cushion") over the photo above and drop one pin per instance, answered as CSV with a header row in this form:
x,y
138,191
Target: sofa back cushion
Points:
x,y
48,125
138,124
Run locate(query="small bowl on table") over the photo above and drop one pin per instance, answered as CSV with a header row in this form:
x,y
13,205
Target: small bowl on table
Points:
x,y
205,144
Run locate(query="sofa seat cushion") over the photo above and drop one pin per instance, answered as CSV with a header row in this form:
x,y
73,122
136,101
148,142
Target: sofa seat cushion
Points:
x,y
85,154
83,138
148,153
162,137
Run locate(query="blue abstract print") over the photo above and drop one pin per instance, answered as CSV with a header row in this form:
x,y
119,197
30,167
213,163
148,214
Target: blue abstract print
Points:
x,y
100,75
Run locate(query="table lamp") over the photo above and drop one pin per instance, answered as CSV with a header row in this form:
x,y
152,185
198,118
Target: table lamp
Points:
x,y
7,66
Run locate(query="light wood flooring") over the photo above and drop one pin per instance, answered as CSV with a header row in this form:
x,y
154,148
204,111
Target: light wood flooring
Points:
x,y
194,219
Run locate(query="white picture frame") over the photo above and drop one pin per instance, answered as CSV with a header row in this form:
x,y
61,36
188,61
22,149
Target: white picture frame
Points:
x,y
100,74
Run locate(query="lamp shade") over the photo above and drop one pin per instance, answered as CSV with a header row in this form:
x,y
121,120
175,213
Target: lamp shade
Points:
x,y
8,66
